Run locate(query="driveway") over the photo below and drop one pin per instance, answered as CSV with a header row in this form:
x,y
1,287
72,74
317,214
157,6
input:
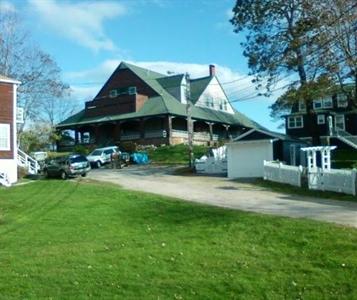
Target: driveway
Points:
x,y
220,191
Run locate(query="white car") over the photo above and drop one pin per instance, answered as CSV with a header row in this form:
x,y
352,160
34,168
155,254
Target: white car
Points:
x,y
102,156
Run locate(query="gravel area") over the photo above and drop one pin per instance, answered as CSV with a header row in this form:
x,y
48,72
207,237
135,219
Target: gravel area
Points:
x,y
220,191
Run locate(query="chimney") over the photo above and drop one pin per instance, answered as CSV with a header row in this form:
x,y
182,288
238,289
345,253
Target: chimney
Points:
x,y
212,70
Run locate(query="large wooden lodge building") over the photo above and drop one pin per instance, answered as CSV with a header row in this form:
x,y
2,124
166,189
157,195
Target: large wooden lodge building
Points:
x,y
147,107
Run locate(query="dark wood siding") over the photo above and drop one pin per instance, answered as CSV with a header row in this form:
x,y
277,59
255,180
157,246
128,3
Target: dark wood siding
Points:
x,y
123,78
103,105
7,115
111,106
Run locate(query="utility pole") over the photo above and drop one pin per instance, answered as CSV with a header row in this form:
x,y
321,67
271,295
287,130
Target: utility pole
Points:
x,y
189,121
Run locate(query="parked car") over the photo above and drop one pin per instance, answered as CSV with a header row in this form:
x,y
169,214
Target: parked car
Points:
x,y
67,166
102,156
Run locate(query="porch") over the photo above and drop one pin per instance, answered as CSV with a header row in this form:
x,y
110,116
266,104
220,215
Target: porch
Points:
x,y
160,130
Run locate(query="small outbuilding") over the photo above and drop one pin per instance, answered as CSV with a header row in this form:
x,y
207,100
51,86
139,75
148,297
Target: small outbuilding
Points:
x,y
246,153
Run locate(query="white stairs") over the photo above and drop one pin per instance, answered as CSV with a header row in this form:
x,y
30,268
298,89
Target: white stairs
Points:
x,y
346,137
4,180
27,162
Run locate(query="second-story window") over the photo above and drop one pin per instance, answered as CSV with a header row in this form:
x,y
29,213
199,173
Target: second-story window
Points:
x,y
323,103
342,100
302,106
327,102
295,122
317,104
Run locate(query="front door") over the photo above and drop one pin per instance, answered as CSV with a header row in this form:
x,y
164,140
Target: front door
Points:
x,y
340,122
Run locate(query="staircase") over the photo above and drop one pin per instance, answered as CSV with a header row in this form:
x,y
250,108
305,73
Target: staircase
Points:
x,y
27,162
4,179
346,137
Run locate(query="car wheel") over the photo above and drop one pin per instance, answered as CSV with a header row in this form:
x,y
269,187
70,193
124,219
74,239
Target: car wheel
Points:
x,y
98,164
45,174
84,175
63,175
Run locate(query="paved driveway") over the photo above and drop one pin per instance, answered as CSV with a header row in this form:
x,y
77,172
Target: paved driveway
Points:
x,y
226,193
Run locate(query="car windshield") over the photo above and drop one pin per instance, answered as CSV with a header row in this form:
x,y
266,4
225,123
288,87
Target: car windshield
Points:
x,y
77,159
96,152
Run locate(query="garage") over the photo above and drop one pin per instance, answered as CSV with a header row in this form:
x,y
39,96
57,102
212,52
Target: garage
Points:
x,y
246,154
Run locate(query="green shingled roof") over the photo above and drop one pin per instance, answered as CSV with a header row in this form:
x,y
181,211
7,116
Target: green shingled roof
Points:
x,y
165,104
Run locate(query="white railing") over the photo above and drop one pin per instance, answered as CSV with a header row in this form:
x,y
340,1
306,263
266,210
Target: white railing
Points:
x,y
341,181
156,133
278,172
346,137
179,133
26,161
130,136
196,135
4,180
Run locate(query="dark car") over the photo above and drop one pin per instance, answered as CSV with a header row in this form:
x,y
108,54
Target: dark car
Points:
x,y
67,166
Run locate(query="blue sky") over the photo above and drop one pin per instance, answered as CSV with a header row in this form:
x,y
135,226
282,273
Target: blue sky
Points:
x,y
88,39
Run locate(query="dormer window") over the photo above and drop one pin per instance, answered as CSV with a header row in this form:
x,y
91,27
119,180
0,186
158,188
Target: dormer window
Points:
x,y
342,100
302,106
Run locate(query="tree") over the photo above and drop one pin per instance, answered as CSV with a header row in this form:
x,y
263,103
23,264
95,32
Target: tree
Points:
x,y
340,24
39,137
283,38
38,73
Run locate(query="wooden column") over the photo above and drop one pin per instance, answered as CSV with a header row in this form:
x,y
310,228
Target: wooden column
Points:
x,y
142,128
76,136
96,134
117,132
227,130
168,128
210,131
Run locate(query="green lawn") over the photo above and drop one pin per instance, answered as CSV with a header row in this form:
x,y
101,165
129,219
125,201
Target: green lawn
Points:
x,y
75,240
175,154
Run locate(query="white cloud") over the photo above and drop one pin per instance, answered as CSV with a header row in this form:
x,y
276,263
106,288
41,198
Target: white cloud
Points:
x,y
81,22
6,6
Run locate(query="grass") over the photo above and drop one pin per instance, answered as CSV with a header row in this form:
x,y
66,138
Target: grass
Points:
x,y
303,191
76,240
344,159
175,154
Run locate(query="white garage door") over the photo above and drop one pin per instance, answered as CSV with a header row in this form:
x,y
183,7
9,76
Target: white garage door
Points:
x,y
245,159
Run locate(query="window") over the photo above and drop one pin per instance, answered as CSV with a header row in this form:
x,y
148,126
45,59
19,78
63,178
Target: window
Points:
x,y
342,100
323,103
317,104
327,103
132,90
5,137
295,122
321,119
113,93
302,106
340,122
209,101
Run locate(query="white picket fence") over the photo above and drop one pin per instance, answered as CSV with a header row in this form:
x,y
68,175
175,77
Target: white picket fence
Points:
x,y
278,172
4,180
341,181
